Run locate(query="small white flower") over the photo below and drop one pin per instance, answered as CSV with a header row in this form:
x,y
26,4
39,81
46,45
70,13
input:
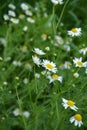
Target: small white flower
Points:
x,y
57,2
14,20
24,48
25,80
59,40
26,114
47,48
49,66
25,28
11,13
36,60
30,20
76,75
17,112
37,75
78,62
83,51
24,6
38,51
17,63
21,16
74,32
6,17
55,77
28,12
69,103
11,6
77,119
44,36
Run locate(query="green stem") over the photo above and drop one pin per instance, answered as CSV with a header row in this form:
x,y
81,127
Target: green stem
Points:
x,y
61,15
54,24
25,125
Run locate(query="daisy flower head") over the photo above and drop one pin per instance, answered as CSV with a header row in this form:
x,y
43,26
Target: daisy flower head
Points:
x,y
74,32
11,13
55,2
69,103
49,66
38,51
54,77
30,20
36,60
11,6
83,51
24,6
6,17
14,20
77,119
78,62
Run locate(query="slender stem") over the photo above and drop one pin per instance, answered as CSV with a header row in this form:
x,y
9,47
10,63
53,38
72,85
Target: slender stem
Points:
x,y
54,25
61,15
25,125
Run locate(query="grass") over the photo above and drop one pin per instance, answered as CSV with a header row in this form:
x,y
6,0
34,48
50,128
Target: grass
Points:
x,y
25,87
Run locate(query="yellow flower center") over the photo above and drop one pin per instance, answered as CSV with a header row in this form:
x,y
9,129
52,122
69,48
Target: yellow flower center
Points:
x,y
78,117
25,47
79,63
55,76
44,35
74,30
70,103
49,66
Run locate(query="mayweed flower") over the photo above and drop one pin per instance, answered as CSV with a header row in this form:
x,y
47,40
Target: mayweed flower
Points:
x,y
26,114
30,20
11,13
6,17
25,81
57,2
47,48
24,6
38,51
54,77
28,12
49,66
83,51
17,63
59,40
17,112
11,6
37,75
69,103
21,16
14,20
76,75
77,119
78,62
36,60
24,48
44,36
28,66
74,32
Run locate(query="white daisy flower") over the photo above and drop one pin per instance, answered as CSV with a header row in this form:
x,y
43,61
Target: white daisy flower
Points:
x,y
83,51
11,6
24,48
24,6
21,16
17,112
17,63
59,40
54,77
28,12
49,66
11,13
14,20
30,20
25,81
26,114
37,75
78,62
6,17
69,103
57,2
44,36
36,60
76,75
74,32
38,51
77,119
